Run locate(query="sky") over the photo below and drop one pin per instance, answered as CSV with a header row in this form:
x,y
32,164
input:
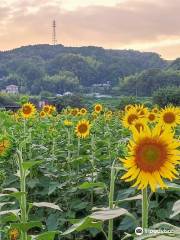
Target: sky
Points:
x,y
144,25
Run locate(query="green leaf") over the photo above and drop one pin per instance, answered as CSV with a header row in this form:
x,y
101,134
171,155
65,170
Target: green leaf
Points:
x,y
175,209
29,164
26,226
46,236
88,185
138,197
6,203
46,204
10,189
15,212
108,214
173,186
84,224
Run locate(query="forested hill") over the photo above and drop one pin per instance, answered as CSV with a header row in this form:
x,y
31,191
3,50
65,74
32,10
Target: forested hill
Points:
x,y
57,68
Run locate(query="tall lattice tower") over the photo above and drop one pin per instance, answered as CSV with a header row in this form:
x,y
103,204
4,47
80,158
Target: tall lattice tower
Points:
x,y
54,40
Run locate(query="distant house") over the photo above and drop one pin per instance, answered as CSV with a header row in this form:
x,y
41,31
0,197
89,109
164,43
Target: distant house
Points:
x,y
12,89
67,94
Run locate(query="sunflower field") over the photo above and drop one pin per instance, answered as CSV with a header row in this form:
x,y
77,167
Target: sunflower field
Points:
x,y
90,174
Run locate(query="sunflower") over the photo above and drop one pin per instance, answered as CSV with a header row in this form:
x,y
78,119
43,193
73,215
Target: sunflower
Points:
x,y
128,107
83,111
67,123
139,124
74,111
141,110
152,117
14,234
155,110
46,108
94,115
98,108
28,110
5,146
153,156
83,128
169,116
42,114
129,117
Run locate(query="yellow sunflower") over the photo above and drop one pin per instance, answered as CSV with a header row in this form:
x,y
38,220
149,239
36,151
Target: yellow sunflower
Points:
x,y
28,110
155,110
67,123
98,108
74,111
83,128
83,111
14,234
169,117
5,146
141,110
129,117
128,107
152,117
139,124
153,155
42,114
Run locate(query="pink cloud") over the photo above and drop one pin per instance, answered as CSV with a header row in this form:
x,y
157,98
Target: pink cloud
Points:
x,y
126,24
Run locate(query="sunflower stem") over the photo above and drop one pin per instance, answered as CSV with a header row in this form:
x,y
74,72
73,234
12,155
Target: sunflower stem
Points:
x,y
111,200
144,209
23,205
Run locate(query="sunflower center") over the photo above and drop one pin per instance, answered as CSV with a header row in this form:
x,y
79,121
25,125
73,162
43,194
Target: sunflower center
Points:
x,y
131,118
98,108
150,155
169,117
151,117
82,128
26,109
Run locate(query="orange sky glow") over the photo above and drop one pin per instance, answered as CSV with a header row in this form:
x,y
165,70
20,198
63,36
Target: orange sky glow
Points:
x,y
145,25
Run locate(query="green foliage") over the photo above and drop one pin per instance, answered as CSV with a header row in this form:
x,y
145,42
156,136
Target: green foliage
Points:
x,y
165,96
57,68
145,83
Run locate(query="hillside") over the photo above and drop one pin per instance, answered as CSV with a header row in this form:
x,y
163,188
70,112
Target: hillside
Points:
x,y
58,68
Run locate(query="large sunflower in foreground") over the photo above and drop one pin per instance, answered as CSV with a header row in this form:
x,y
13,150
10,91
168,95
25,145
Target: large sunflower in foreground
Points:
x,y
28,110
153,156
169,117
83,128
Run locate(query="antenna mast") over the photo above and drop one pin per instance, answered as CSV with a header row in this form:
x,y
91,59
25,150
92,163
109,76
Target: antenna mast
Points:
x,y
54,40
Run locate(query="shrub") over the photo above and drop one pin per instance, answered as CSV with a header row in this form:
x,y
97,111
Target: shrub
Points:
x,y
165,96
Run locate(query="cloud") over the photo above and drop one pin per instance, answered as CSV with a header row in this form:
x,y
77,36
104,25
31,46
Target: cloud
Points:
x,y
140,24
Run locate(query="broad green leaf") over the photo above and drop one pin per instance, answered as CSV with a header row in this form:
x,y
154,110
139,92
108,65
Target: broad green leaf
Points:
x,y
84,224
29,164
108,214
88,185
6,203
175,209
10,189
46,236
173,186
26,226
138,197
15,212
46,204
